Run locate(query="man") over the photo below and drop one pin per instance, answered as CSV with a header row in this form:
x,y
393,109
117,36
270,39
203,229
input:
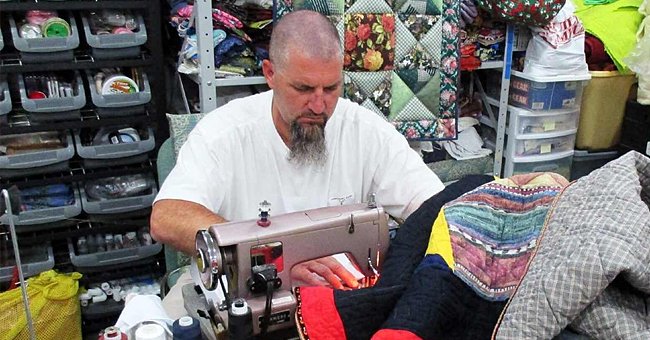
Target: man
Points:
x,y
298,146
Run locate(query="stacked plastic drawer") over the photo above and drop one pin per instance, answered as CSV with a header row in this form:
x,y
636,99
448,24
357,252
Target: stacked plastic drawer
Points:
x,y
114,34
43,36
543,121
116,145
5,99
52,96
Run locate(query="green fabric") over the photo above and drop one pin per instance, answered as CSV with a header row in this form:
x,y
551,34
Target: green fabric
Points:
x,y
615,25
598,2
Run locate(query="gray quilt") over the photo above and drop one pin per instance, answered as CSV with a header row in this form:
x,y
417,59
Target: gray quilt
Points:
x,y
592,267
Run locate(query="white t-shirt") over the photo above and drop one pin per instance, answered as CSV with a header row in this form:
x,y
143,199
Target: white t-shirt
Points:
x,y
234,159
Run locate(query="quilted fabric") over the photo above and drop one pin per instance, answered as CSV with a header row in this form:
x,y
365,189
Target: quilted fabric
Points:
x,y
400,60
591,267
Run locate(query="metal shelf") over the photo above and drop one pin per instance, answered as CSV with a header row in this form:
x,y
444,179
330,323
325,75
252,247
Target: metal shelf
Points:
x,y
231,81
71,5
11,63
488,65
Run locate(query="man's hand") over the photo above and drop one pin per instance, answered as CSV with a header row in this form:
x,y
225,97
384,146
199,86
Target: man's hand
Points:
x,y
324,271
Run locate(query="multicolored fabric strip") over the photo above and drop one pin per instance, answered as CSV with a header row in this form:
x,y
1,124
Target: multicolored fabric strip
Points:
x,y
488,235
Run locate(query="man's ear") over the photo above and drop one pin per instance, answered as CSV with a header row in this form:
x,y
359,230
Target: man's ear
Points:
x,y
267,70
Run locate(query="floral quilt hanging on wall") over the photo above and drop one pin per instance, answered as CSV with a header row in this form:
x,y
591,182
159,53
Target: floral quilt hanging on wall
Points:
x,y
401,59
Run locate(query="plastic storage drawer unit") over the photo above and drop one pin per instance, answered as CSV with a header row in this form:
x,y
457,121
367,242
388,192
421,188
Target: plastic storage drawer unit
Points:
x,y
112,257
527,122
559,163
37,158
120,104
114,202
113,46
65,104
541,144
52,214
46,49
110,151
546,93
35,260
5,97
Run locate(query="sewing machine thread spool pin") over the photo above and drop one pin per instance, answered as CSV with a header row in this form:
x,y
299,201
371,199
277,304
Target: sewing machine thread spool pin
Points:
x,y
264,208
372,200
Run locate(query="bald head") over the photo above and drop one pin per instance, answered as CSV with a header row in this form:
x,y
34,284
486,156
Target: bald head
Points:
x,y
307,32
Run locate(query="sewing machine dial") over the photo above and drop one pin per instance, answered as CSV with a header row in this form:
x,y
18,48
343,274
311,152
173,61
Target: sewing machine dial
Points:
x,y
208,259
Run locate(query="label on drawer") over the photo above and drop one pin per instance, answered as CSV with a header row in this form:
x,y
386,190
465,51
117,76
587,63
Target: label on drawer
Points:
x,y
537,106
549,125
545,148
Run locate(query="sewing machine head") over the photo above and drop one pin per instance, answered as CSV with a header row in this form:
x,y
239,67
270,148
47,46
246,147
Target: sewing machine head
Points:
x,y
250,254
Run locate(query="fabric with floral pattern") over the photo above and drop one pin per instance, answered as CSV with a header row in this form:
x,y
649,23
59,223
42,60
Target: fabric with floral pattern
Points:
x,y
369,42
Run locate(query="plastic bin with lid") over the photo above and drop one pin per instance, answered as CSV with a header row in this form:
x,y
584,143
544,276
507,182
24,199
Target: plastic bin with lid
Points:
x,y
5,97
62,104
528,122
118,194
546,93
51,208
584,162
46,44
120,104
35,260
559,163
541,144
56,147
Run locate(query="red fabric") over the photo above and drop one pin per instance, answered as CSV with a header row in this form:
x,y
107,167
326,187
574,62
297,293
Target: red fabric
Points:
x,y
390,334
319,314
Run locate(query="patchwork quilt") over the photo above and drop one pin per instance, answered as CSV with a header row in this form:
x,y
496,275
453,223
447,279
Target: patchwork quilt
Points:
x,y
401,59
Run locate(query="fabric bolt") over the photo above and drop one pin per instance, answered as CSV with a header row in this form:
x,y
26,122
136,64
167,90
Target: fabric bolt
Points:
x,y
590,269
526,12
385,154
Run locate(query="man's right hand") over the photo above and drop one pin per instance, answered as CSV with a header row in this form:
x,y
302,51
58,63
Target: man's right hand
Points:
x,y
322,272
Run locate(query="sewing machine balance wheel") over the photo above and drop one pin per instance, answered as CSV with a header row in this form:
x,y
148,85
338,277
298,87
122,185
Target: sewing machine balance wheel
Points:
x,y
208,259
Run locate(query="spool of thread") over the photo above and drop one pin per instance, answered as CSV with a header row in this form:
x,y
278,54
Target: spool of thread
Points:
x,y
119,84
121,30
113,333
186,328
150,332
100,298
240,320
30,31
55,27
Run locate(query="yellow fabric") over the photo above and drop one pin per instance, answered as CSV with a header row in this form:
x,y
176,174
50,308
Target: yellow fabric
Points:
x,y
533,180
440,241
53,303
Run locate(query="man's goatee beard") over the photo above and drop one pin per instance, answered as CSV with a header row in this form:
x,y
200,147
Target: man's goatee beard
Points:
x,y
308,144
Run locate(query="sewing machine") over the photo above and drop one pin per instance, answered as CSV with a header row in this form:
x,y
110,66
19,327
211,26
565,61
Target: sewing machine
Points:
x,y
246,259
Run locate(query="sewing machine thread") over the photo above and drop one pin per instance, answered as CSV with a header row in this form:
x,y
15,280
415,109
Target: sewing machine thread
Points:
x,y
240,320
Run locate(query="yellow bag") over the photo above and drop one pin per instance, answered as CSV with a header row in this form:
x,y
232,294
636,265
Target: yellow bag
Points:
x,y
53,303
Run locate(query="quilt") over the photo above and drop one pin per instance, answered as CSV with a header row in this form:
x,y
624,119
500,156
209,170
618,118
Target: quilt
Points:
x,y
401,59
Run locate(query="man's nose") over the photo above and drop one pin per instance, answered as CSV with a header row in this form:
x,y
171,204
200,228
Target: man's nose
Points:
x,y
317,101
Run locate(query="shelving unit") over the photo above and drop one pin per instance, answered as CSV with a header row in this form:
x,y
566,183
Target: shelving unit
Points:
x,y
78,171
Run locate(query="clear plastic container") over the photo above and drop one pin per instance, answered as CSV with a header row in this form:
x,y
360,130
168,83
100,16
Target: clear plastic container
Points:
x,y
35,260
46,45
546,93
53,214
77,101
527,122
111,257
113,41
5,97
541,144
38,158
559,163
111,151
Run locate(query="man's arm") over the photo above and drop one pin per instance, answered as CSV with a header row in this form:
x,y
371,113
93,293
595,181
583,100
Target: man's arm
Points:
x,y
175,222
